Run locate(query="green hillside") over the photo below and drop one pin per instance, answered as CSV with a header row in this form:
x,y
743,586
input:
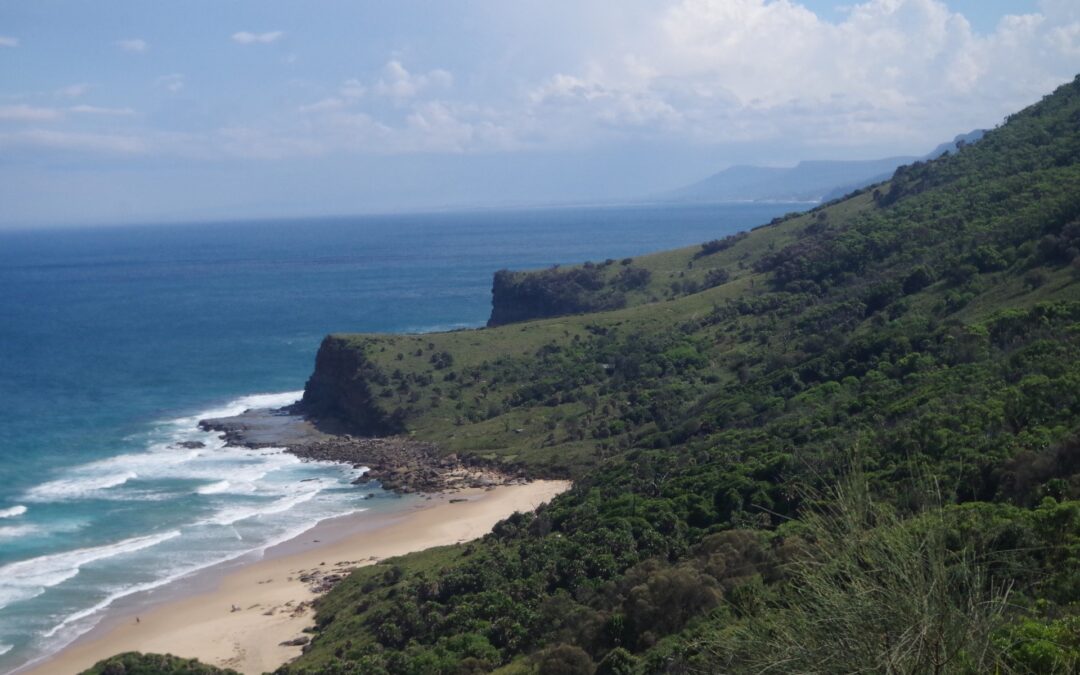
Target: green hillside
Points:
x,y
848,441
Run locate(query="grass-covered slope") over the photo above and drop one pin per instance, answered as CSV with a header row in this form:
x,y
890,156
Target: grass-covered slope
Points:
x,y
617,284
946,242
857,451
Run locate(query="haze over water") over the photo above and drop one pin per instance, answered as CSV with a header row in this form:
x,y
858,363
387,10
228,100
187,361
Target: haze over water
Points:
x,y
116,341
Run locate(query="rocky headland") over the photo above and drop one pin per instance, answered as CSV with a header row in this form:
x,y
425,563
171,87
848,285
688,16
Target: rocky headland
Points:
x,y
398,463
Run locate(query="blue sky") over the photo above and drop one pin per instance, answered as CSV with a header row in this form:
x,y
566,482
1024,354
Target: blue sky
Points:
x,y
146,111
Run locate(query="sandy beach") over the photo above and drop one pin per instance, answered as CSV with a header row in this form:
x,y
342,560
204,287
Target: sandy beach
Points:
x,y
240,619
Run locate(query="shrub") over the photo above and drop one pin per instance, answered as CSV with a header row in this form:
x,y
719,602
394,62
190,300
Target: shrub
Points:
x,y
565,660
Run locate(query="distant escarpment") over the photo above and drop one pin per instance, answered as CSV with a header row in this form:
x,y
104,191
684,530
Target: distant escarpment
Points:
x,y
341,390
522,296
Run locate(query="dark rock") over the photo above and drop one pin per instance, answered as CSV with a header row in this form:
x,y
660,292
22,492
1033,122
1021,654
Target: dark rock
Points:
x,y
190,445
350,399
296,642
399,463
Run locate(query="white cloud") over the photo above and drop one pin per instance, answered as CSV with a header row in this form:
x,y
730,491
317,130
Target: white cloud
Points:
x,y
325,105
133,45
74,90
352,89
97,110
173,83
398,83
73,141
25,113
348,93
416,121
6,41
246,38
254,143
902,73
719,71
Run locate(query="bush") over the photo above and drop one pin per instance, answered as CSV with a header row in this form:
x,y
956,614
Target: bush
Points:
x,y
1042,647
717,245
565,660
716,277
134,663
618,662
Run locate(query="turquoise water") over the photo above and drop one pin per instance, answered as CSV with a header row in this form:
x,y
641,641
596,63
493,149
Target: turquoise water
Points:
x,y
115,341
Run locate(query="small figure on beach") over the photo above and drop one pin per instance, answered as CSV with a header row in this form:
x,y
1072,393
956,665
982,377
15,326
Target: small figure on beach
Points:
x,y
137,620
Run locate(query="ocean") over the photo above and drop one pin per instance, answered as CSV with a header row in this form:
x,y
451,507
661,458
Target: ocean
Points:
x,y
115,341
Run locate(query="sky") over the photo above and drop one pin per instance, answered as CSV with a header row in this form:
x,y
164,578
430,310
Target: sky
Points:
x,y
136,111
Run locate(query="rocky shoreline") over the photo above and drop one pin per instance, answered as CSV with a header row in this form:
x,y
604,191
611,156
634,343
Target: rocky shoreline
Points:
x,y
398,463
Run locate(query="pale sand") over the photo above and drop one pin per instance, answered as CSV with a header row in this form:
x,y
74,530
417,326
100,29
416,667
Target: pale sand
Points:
x,y
205,627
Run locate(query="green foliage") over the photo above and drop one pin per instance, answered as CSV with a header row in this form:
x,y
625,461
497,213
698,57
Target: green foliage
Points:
x,y
522,296
618,662
133,663
1041,646
873,592
718,245
564,660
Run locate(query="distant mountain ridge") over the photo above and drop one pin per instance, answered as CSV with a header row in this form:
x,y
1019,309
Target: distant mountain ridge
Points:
x,y
807,181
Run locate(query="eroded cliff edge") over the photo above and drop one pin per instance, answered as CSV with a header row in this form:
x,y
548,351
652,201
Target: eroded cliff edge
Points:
x,y
340,390
558,291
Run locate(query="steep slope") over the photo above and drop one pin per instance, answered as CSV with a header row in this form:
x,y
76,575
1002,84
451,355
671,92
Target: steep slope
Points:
x,y
954,145
592,287
831,457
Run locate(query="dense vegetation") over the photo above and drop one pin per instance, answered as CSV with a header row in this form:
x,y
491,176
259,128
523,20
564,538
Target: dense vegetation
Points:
x,y
519,296
153,664
848,441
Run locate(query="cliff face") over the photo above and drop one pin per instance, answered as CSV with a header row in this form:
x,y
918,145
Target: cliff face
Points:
x,y
340,390
521,296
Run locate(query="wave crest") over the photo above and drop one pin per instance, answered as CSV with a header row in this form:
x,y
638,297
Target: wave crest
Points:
x,y
30,578
64,489
13,511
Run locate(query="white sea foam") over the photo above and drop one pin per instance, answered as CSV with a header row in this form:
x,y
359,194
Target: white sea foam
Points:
x,y
77,488
4,649
100,479
230,516
13,511
29,578
13,531
214,488
171,577
163,460
237,406
240,464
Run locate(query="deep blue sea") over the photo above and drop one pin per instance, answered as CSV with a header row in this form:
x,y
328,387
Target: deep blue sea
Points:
x,y
115,341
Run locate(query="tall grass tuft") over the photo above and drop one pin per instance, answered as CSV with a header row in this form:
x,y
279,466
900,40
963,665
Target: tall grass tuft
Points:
x,y
872,592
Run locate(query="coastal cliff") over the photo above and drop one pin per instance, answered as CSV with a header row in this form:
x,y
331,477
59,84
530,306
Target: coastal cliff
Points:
x,y
340,389
522,296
